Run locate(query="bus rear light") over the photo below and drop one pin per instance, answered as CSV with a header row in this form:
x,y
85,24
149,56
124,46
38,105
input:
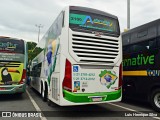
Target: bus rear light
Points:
x,y
2,88
67,82
120,77
23,79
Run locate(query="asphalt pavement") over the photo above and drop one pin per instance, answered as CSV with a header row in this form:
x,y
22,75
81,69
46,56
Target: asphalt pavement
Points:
x,y
25,107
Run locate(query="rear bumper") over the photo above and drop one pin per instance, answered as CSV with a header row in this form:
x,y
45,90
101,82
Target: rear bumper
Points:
x,y
87,97
12,89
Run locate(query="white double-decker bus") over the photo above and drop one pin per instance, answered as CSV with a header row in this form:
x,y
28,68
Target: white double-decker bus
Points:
x,y
79,60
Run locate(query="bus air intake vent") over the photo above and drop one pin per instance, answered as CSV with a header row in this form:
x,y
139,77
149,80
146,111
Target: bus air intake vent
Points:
x,y
95,49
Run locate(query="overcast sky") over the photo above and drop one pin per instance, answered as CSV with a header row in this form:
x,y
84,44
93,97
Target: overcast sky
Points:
x,y
19,17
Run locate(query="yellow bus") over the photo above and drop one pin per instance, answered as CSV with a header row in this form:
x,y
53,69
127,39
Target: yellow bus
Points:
x,y
13,61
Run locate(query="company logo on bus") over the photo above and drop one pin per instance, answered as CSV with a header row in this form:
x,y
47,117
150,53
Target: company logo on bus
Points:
x,y
98,34
8,45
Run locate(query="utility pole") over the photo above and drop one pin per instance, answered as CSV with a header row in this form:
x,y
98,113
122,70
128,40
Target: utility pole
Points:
x,y
39,27
128,14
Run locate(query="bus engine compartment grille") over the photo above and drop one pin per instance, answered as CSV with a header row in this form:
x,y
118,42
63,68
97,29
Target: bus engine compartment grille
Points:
x,y
55,88
95,49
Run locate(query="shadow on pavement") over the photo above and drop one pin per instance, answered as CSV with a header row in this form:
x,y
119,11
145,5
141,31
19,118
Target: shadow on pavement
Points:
x,y
138,103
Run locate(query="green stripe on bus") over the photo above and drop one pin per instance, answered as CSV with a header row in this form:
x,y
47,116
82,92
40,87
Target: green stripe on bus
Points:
x,y
86,97
14,89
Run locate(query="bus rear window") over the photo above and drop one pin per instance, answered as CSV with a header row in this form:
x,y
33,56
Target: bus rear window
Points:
x,y
11,46
90,22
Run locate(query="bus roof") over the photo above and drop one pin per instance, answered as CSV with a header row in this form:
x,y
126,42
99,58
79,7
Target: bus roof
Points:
x,y
5,37
144,26
141,33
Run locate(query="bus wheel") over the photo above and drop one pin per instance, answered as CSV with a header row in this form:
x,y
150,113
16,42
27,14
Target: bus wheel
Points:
x,y
42,92
155,99
45,94
41,88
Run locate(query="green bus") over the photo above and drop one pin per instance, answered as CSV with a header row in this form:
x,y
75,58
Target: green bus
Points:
x,y
13,62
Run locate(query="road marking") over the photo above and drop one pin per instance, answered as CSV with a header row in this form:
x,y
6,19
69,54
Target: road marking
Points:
x,y
158,118
122,107
36,106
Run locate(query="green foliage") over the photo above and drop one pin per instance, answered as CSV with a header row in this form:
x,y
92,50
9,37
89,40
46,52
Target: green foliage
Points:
x,y
31,46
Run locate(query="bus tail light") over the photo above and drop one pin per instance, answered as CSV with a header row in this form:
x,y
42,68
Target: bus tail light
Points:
x,y
67,82
120,77
23,79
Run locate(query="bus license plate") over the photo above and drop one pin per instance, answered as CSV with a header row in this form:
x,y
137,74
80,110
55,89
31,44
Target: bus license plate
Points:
x,y
98,99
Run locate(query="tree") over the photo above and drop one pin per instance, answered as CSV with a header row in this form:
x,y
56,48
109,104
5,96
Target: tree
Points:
x,y
31,46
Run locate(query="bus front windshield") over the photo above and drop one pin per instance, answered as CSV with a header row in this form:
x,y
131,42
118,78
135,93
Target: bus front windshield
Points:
x,y
90,22
11,50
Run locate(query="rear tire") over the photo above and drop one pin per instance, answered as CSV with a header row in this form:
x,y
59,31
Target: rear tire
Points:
x,y
41,89
155,99
123,96
45,93
42,93
43,96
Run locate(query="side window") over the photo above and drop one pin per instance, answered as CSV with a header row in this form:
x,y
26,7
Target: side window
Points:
x,y
152,44
39,69
36,70
125,39
53,33
33,72
158,40
126,49
142,34
60,23
145,45
63,18
138,47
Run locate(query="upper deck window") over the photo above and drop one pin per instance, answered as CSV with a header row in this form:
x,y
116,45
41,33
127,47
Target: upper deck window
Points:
x,y
91,22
